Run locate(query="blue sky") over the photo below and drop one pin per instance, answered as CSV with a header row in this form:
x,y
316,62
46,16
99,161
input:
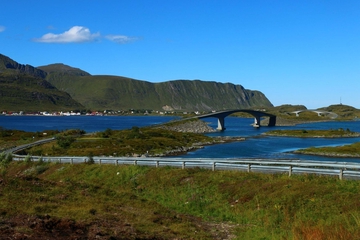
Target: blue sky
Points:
x,y
294,51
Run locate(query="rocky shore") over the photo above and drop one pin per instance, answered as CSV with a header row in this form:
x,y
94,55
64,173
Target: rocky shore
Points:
x,y
195,126
196,146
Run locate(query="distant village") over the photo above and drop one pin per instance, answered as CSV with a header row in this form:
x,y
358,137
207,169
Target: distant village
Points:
x,y
97,113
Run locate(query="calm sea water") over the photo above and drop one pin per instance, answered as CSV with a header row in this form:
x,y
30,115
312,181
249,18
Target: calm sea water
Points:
x,y
255,146
87,123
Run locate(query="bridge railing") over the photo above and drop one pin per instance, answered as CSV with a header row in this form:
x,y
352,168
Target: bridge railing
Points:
x,y
341,169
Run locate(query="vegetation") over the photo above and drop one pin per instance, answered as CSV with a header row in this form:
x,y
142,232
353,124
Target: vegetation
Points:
x,y
343,111
10,138
22,92
286,113
104,92
332,133
350,150
30,89
129,142
134,202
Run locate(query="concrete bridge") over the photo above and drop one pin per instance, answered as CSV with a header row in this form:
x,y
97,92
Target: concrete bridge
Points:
x,y
257,115
319,113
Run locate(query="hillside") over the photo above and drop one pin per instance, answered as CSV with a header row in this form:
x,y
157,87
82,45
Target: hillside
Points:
x,y
23,88
115,92
61,87
21,92
7,65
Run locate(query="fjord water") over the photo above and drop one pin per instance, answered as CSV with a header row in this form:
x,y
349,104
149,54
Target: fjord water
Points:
x,y
87,123
255,146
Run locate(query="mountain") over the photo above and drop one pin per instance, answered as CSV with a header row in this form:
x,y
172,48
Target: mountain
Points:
x,y
62,87
9,65
24,88
58,70
115,92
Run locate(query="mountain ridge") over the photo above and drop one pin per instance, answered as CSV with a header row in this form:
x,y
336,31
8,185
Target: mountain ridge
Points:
x,y
100,92
24,88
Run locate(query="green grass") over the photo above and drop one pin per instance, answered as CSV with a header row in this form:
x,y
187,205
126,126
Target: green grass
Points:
x,y
121,143
10,138
350,150
332,133
21,92
185,204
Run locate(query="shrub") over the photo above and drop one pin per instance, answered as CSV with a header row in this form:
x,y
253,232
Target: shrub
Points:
x,y
107,133
5,159
27,158
65,142
91,158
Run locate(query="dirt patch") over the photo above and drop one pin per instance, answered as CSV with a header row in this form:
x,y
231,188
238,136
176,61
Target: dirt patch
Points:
x,y
47,227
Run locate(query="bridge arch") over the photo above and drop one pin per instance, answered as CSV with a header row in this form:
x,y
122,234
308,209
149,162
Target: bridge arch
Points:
x,y
257,117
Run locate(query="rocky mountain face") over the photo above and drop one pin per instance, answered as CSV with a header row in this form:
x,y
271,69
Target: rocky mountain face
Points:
x,y
7,63
207,96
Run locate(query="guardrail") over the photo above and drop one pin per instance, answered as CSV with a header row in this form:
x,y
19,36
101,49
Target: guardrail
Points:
x,y
25,146
343,170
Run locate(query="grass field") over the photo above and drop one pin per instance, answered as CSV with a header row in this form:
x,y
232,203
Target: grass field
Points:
x,y
135,202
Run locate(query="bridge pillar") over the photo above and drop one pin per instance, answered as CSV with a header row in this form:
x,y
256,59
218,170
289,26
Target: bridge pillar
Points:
x,y
221,123
272,121
257,121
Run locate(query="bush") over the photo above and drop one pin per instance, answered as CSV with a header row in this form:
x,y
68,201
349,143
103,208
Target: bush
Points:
x,y
107,133
5,159
65,142
27,158
91,158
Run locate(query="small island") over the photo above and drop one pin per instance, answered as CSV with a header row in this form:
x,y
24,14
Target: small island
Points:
x,y
350,150
332,133
346,151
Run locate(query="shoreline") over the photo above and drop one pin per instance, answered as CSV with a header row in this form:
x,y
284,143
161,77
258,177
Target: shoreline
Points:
x,y
323,154
184,150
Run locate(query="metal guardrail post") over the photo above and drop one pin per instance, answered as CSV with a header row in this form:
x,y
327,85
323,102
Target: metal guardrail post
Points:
x,y
213,166
135,162
71,161
249,168
183,165
157,164
99,161
341,174
117,162
290,170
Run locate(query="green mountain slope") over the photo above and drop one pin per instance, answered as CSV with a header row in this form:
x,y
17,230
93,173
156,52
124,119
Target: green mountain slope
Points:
x,y
9,65
23,88
61,87
58,70
113,92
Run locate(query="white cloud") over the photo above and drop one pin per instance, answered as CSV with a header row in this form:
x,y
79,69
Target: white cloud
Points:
x,y
121,38
76,34
2,28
